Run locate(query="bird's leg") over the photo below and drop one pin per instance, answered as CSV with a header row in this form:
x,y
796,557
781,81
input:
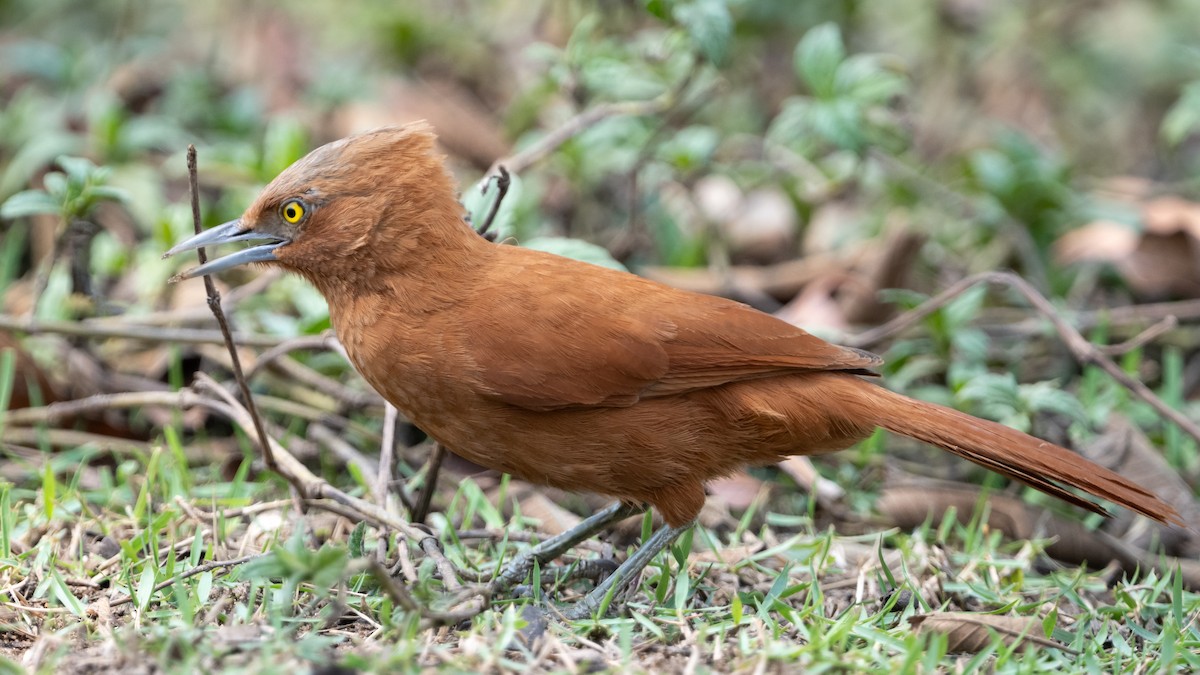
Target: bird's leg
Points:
x,y
627,573
548,550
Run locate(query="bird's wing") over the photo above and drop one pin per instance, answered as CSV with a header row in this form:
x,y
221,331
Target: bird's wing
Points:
x,y
567,334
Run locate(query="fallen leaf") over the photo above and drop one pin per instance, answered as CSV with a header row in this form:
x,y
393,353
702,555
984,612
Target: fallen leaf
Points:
x,y
971,633
801,470
737,491
728,556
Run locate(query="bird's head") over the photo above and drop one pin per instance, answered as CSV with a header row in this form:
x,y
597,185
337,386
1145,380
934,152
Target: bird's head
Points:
x,y
345,211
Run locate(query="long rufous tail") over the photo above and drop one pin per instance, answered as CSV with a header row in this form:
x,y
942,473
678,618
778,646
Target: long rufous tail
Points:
x,y
1037,463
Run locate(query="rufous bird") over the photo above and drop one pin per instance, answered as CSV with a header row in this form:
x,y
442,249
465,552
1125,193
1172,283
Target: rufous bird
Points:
x,y
580,377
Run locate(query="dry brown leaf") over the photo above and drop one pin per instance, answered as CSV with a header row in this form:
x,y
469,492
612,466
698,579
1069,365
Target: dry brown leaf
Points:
x,y
816,308
718,197
552,518
909,507
26,375
1164,265
465,127
882,267
801,470
1162,259
728,556
737,491
1101,240
972,633
782,281
1170,214
1125,449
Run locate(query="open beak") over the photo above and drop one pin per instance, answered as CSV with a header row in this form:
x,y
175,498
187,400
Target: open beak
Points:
x,y
224,234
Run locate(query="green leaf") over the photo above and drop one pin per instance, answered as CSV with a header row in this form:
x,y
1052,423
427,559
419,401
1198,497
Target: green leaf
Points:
x,y
709,25
478,202
838,121
575,248
79,169
9,667
357,535
145,585
57,186
862,78
736,608
658,8
682,588
286,141
49,490
1183,118
817,57
63,594
204,585
28,203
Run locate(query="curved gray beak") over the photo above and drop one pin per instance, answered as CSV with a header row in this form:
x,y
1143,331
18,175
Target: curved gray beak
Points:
x,y
224,234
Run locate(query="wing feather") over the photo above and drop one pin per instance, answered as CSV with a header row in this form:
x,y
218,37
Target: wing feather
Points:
x,y
611,339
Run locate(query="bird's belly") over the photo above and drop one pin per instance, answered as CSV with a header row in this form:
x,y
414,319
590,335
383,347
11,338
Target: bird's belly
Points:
x,y
628,451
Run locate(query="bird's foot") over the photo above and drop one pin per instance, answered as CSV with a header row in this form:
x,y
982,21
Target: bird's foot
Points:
x,y
519,568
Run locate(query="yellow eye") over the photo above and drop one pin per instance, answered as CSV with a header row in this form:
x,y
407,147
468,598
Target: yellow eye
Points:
x,y
292,210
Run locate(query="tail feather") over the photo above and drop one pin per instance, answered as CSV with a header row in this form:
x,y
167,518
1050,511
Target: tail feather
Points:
x,y
1037,463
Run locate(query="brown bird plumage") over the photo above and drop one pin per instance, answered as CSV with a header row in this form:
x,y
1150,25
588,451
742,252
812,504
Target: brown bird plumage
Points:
x,y
580,377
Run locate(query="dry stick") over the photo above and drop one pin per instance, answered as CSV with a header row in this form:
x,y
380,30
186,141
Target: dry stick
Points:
x,y
503,180
194,313
580,123
344,451
311,379
199,569
68,438
91,329
214,303
401,597
387,454
433,549
1141,339
424,499
184,398
310,485
304,342
1084,352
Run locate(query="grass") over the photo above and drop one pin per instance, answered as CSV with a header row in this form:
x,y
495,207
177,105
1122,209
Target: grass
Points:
x,y
101,564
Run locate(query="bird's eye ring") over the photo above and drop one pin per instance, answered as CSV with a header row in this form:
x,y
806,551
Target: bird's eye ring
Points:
x,y
293,211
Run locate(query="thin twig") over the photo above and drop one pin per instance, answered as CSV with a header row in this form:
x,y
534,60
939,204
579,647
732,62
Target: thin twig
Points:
x,y
301,343
214,303
433,549
98,330
195,313
310,485
582,122
387,454
344,451
55,412
870,338
401,597
1084,352
503,180
1141,339
69,438
424,498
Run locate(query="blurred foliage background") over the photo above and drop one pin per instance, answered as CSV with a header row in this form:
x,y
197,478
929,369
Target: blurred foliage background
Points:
x,y
804,157
785,129
833,161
